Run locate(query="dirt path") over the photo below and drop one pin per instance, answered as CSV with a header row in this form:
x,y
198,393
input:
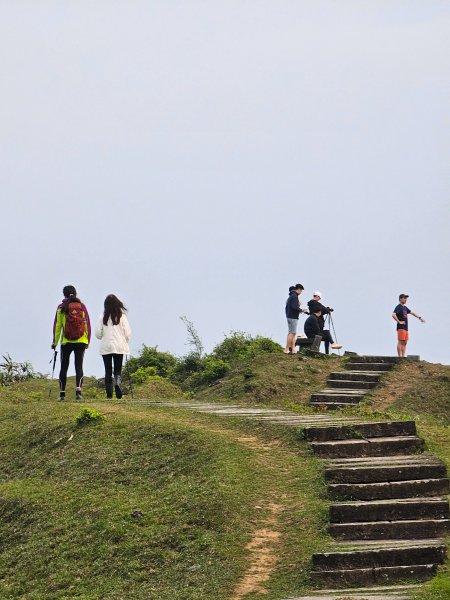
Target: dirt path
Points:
x,y
262,550
263,546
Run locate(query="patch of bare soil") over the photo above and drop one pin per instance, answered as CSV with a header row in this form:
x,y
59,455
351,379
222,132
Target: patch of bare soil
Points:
x,y
411,378
263,556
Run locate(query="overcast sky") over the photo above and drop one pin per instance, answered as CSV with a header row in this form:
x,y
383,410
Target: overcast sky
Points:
x,y
198,157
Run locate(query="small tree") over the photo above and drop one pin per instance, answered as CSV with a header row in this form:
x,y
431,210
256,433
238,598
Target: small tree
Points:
x,y
193,338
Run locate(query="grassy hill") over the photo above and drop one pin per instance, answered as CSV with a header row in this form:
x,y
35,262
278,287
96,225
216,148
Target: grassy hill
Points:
x,y
158,503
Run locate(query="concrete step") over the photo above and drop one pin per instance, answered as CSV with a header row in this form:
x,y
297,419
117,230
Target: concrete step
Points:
x,y
325,406
372,367
390,555
382,469
381,446
392,360
389,510
385,530
356,376
360,430
389,489
340,396
375,575
391,592
351,384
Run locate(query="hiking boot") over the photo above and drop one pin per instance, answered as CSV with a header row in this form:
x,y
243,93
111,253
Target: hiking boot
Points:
x,y
78,395
62,396
336,346
117,388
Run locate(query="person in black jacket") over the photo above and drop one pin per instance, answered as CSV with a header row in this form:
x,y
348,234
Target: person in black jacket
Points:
x,y
314,306
293,311
312,324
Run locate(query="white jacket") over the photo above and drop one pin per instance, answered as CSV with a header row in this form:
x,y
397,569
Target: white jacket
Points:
x,y
113,338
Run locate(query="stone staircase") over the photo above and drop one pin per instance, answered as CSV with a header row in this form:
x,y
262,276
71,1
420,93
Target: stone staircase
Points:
x,y
389,512
345,389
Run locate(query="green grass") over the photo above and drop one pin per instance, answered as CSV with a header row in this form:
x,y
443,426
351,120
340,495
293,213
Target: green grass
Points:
x,y
149,503
273,380
159,503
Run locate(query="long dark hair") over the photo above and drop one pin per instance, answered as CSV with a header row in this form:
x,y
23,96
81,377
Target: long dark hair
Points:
x,y
114,308
70,295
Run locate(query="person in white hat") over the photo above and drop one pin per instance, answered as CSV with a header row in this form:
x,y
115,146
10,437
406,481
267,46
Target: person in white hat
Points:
x,y
314,305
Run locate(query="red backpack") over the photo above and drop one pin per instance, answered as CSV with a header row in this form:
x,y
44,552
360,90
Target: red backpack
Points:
x,y
75,322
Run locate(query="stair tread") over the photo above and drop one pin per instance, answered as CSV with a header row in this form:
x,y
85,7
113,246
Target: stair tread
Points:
x,y
384,501
383,461
368,545
402,522
370,440
356,569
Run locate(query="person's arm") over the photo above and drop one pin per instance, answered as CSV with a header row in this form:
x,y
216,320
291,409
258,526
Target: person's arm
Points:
x,y
395,317
294,304
417,317
88,323
57,328
326,310
125,327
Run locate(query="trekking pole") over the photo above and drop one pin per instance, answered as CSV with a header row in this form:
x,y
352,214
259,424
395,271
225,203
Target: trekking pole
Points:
x,y
55,354
129,375
330,319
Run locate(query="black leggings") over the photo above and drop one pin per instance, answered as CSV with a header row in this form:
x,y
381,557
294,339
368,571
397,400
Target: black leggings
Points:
x,y
108,360
66,350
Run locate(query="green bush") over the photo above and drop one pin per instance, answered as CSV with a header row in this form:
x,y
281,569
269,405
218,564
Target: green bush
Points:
x,y
163,362
241,346
213,369
144,374
89,415
185,367
263,344
233,348
12,372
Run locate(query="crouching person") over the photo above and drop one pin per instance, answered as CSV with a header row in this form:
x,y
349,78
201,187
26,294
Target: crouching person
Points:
x,y
113,331
312,325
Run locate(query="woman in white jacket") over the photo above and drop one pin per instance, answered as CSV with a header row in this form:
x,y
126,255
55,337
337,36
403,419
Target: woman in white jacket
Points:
x,y
114,332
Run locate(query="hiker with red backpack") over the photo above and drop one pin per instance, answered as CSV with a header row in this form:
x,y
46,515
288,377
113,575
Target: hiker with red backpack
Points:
x,y
114,332
72,327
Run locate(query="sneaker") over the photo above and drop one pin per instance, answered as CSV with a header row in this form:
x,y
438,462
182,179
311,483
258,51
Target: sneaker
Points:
x,y
336,346
117,388
78,396
62,396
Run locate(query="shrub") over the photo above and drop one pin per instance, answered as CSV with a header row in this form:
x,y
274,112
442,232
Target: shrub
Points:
x,y
263,344
213,369
89,415
163,362
143,374
241,346
12,372
235,347
185,367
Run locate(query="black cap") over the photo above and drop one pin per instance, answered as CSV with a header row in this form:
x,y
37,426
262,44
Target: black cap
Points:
x,y
403,296
298,286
